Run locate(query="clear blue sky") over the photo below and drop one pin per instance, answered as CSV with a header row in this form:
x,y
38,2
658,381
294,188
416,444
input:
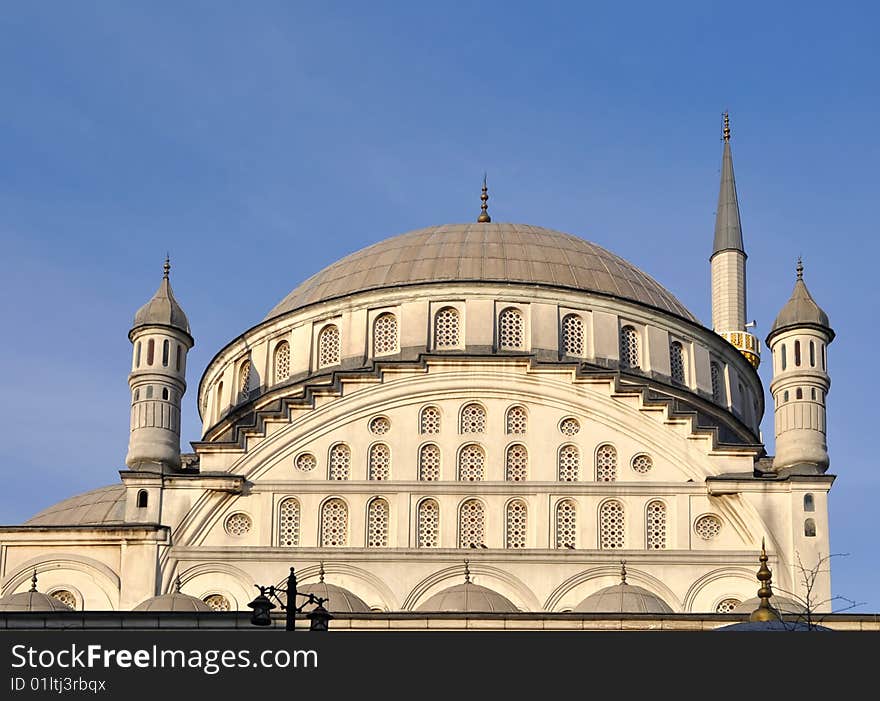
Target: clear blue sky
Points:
x,y
259,142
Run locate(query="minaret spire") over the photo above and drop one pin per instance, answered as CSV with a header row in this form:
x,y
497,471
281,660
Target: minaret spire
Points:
x,y
484,217
728,229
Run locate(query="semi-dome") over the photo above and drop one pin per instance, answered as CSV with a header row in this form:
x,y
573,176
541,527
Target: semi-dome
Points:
x,y
468,597
175,601
162,309
623,598
340,600
484,252
99,507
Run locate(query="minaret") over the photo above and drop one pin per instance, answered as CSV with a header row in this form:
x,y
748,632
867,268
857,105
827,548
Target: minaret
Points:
x,y
161,339
798,341
728,264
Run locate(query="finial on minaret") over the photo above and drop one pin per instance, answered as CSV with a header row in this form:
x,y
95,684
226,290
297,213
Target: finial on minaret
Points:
x,y
467,572
623,571
321,573
764,612
726,126
34,580
484,217
800,269
167,266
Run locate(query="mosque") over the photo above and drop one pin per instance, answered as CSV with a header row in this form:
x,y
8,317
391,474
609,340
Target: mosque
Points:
x,y
478,419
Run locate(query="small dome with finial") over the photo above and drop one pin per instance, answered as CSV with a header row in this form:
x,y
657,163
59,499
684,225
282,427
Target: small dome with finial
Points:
x,y
32,600
174,601
801,310
623,598
163,309
339,599
484,217
468,597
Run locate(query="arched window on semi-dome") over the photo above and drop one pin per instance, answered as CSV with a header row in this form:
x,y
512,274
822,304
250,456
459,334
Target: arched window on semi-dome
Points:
x,y
328,346
516,463
244,381
655,525
385,334
446,328
377,523
717,383
218,401
428,528
606,463
429,420
569,463
630,356
142,499
809,503
516,420
573,335
611,525
288,522
473,419
334,523
339,464
566,524
281,363
429,463
511,330
380,462
471,524
516,524
677,363
471,463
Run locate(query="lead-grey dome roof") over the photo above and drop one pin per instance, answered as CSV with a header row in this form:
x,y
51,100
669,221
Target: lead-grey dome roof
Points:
x,y
468,597
32,601
103,506
800,310
340,600
481,252
175,601
162,309
623,598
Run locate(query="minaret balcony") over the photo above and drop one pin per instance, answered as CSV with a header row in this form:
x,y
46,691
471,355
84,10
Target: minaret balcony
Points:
x,y
745,343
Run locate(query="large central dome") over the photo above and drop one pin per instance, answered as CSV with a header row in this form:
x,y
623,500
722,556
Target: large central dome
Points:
x,y
484,253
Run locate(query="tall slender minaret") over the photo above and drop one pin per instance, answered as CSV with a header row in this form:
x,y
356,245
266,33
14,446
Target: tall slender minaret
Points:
x,y
798,341
161,339
728,264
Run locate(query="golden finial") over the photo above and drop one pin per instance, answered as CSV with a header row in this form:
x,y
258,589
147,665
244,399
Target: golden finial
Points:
x,y
800,269
321,573
177,584
726,126
623,571
764,612
167,266
467,572
484,217
34,580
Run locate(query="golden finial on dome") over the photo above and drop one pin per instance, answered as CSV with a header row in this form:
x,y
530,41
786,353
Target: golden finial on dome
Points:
x,y
467,572
34,581
484,217
177,584
321,572
623,571
726,126
764,612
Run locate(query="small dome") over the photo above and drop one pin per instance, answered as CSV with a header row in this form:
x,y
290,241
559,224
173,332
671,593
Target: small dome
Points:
x,y
780,603
468,597
175,601
482,252
801,310
103,506
773,626
32,601
340,600
162,309
623,598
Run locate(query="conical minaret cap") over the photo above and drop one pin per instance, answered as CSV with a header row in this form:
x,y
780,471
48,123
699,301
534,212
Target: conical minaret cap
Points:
x,y
801,310
163,309
728,230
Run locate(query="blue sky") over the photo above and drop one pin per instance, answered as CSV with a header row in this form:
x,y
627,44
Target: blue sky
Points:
x,y
259,142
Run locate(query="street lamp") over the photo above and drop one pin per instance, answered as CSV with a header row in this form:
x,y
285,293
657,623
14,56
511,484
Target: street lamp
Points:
x,y
319,617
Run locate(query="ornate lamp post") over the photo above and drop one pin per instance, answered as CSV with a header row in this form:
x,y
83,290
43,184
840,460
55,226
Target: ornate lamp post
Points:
x,y
319,617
